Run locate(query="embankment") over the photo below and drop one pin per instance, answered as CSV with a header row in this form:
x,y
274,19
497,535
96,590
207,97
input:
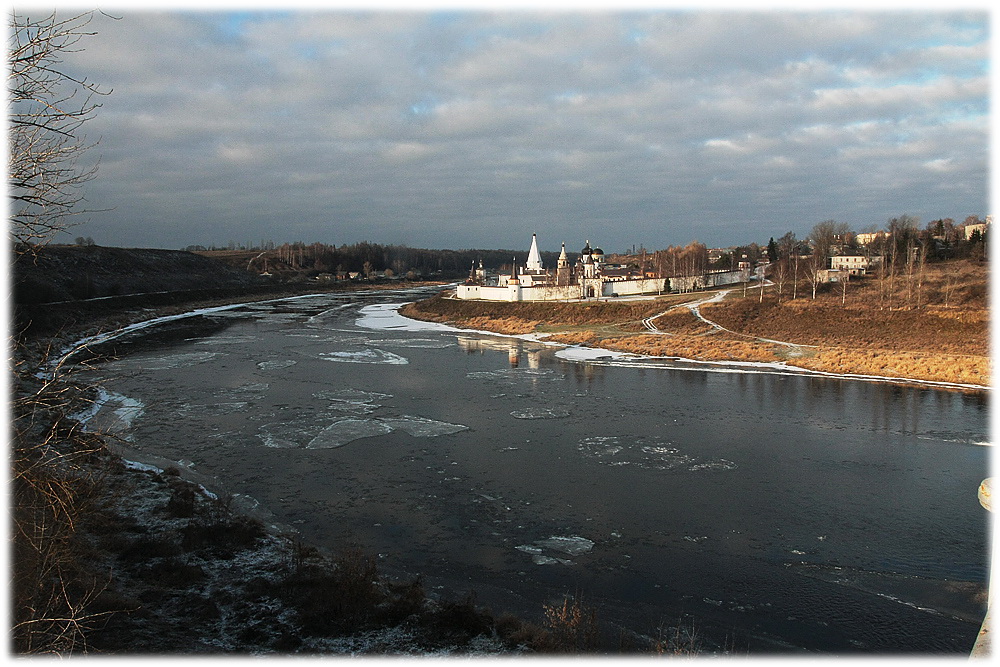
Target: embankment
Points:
x,y
829,335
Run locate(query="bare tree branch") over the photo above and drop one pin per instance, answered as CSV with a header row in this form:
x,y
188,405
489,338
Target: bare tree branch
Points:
x,y
48,108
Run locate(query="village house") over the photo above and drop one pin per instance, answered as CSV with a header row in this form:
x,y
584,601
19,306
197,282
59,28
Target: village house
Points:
x,y
855,265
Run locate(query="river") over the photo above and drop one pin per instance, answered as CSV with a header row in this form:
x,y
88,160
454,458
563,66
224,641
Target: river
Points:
x,y
770,512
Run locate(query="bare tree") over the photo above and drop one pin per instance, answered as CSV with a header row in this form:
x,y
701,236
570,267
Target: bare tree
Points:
x,y
48,108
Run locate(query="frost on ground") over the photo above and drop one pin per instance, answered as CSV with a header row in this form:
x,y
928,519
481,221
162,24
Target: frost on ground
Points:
x,y
650,454
185,573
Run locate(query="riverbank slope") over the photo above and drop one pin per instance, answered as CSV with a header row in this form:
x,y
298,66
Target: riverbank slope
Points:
x,y
935,332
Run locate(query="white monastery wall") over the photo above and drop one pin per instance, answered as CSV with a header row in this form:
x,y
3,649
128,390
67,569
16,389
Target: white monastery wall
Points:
x,y
550,293
629,287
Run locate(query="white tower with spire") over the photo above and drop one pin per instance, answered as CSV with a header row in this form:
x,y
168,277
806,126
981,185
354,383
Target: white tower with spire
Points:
x,y
534,263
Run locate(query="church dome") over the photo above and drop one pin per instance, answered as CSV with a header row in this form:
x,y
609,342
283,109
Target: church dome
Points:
x,y
586,249
598,251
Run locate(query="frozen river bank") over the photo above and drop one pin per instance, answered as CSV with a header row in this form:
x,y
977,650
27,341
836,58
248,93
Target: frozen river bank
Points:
x,y
775,511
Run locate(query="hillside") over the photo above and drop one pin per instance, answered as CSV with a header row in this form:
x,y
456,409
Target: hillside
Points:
x,y
66,273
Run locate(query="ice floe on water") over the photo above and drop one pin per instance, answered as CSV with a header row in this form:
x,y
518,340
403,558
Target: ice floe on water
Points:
x,y
386,316
350,395
591,354
641,453
421,343
283,435
112,413
329,435
250,391
539,413
167,361
421,427
275,365
369,356
225,340
573,545
213,410
516,374
351,407
344,431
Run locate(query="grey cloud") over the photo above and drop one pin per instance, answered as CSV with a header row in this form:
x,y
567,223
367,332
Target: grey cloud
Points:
x,y
473,129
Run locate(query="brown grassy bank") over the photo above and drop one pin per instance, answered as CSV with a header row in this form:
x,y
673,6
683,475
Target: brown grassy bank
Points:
x,y
526,317
931,327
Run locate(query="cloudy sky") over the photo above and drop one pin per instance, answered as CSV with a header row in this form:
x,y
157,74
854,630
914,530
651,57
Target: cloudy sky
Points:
x,y
467,129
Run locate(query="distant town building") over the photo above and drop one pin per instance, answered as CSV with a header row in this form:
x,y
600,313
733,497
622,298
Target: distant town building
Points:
x,y
981,228
868,237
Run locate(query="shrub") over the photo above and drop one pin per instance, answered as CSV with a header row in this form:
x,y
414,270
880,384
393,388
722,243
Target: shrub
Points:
x,y
573,625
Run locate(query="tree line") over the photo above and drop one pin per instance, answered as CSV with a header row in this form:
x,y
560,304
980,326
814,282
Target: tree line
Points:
x,y
897,254
368,259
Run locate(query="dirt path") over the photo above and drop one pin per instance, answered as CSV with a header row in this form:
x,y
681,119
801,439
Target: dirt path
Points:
x,y
695,308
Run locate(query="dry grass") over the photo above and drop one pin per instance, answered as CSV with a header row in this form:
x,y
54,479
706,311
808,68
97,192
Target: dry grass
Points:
x,y
961,369
440,309
682,321
56,482
714,348
932,327
573,626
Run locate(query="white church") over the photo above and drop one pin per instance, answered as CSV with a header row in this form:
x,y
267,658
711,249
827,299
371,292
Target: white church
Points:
x,y
590,278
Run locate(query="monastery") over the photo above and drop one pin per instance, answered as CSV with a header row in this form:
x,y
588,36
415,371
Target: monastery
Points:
x,y
590,278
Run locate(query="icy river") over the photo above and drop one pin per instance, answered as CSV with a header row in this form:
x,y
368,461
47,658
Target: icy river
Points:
x,y
771,512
